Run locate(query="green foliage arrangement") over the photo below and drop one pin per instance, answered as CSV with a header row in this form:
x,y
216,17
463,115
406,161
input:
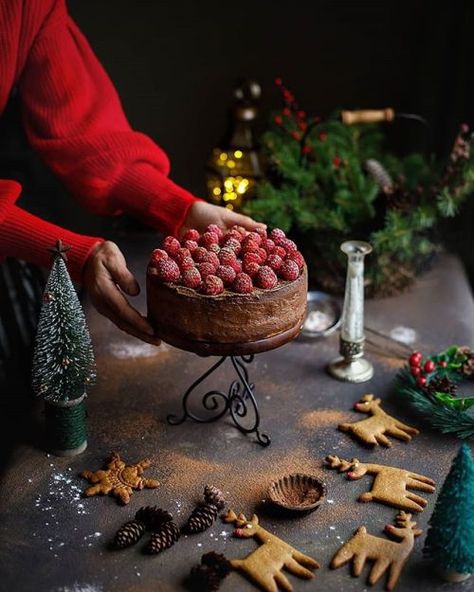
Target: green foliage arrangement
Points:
x,y
327,182
450,539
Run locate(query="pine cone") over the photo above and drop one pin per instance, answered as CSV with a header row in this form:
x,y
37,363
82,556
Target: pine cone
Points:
x,y
379,174
468,367
441,385
163,538
214,496
201,518
204,579
153,517
217,562
129,534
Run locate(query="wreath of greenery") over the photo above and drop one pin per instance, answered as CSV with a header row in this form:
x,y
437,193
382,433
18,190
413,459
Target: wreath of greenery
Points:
x,y
430,384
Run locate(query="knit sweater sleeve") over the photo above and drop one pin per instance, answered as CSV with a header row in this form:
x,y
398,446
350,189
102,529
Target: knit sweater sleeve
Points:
x,y
73,117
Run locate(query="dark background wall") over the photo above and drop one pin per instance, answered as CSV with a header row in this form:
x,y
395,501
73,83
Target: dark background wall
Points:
x,y
175,63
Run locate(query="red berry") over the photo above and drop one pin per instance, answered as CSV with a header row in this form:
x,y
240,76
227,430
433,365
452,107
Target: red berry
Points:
x,y
278,81
336,162
214,249
301,114
191,234
421,381
251,258
266,278
429,366
267,244
212,285
278,119
171,245
216,230
296,136
190,244
323,136
227,256
199,254
181,254
262,254
289,270
232,234
274,261
307,149
302,125
168,270
241,230
248,246
443,364
234,244
253,236
226,273
191,278
208,239
277,235
213,259
261,232
186,263
250,268
297,257
286,112
280,251
206,269
157,255
242,284
415,359
288,245
237,266
415,370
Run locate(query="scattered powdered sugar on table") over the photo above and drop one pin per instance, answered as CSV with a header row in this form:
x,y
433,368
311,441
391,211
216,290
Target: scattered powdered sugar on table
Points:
x,y
125,350
403,334
79,588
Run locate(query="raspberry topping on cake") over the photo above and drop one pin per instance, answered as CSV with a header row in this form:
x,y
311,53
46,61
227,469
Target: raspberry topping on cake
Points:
x,y
157,255
200,254
171,245
226,273
208,239
191,278
216,230
243,284
266,278
274,261
277,235
191,234
289,270
168,270
191,245
212,285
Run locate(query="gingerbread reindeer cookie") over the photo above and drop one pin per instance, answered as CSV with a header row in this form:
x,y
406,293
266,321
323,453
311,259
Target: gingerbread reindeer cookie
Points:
x,y
375,429
391,485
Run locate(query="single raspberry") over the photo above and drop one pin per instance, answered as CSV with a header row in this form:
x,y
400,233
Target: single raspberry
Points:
x,y
251,268
206,269
216,230
231,234
277,235
280,251
267,244
237,266
226,273
243,284
289,270
251,258
274,261
233,244
191,278
190,244
171,245
262,254
186,263
181,253
288,245
212,285
167,270
191,234
253,236
214,249
157,255
213,259
199,254
249,246
227,256
266,278
208,239
241,230
297,257
262,232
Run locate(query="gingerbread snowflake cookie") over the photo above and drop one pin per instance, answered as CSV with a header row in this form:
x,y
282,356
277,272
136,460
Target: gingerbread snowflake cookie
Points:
x,y
375,429
119,479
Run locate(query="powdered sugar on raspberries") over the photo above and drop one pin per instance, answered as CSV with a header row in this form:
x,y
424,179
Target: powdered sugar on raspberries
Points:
x,y
191,278
168,270
266,278
157,255
277,235
297,257
208,239
191,234
212,285
226,273
171,245
243,284
289,270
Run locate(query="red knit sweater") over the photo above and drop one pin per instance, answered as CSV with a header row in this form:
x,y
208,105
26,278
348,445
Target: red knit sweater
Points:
x,y
73,117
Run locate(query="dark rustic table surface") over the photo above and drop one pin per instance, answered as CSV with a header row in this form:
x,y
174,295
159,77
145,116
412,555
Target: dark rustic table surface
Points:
x,y
54,540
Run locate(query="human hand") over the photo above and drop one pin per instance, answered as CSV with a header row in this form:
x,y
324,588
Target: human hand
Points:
x,y
201,214
106,279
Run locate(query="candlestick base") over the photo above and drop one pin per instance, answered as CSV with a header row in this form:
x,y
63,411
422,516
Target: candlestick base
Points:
x,y
351,370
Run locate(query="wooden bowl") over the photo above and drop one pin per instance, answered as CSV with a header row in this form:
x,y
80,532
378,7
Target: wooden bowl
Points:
x,y
297,493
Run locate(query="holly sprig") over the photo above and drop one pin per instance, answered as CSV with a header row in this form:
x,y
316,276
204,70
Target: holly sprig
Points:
x,y
422,382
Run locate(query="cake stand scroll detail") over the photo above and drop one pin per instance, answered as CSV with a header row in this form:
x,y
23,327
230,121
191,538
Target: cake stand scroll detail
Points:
x,y
239,401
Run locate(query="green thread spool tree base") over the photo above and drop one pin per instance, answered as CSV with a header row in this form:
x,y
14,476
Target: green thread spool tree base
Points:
x,y
66,427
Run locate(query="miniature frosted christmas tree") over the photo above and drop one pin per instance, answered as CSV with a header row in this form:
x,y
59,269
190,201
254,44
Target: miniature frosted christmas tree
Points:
x,y
63,362
450,539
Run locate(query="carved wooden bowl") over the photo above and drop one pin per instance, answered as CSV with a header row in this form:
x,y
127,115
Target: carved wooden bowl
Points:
x,y
297,493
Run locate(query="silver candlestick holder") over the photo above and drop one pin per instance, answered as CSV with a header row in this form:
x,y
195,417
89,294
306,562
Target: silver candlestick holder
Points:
x,y
352,366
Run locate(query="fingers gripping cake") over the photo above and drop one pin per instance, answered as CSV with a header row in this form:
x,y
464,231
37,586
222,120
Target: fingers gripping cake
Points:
x,y
227,293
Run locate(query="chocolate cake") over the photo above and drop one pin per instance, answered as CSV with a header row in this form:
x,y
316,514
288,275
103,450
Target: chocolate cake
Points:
x,y
197,303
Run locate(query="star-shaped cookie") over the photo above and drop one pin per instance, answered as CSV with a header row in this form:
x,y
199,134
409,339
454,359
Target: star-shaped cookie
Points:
x,y
119,479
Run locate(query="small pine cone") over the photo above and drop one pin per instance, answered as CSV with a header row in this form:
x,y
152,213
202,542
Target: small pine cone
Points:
x,y
214,496
468,367
129,534
153,517
217,562
379,174
163,538
202,517
442,385
204,579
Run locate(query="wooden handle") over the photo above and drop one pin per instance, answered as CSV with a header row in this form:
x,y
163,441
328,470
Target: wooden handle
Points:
x,y
367,116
